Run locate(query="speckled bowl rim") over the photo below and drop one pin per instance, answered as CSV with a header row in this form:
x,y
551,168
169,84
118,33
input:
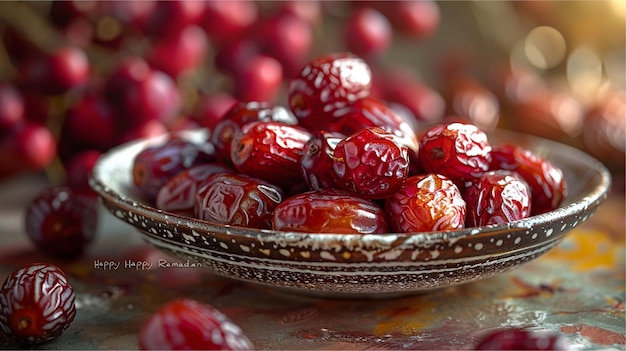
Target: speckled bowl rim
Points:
x,y
133,203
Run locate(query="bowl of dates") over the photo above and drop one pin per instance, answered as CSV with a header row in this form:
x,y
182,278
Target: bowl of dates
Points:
x,y
360,213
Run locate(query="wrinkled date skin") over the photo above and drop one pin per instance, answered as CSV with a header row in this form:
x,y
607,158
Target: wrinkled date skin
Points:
x,y
369,163
238,116
371,112
426,202
547,183
237,199
155,165
179,192
459,151
270,151
497,197
316,165
37,303
326,85
329,211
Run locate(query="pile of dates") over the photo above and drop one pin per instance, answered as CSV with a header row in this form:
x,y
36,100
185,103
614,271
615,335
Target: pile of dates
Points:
x,y
338,160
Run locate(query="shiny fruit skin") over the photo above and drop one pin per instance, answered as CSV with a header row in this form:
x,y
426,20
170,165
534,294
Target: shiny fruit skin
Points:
x,y
520,339
178,193
326,85
186,324
155,165
547,183
240,114
329,211
371,112
497,198
270,151
458,151
37,303
370,163
61,222
237,199
316,164
426,202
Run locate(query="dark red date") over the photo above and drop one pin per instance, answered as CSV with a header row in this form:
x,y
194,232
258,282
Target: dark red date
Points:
x,y
270,151
329,211
459,151
370,163
426,202
316,165
155,165
547,183
237,199
496,198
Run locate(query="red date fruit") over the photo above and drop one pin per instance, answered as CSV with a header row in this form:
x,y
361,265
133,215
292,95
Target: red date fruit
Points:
x,y
496,198
64,69
370,163
426,202
547,183
270,151
155,165
368,32
260,79
186,324
238,116
326,85
459,151
371,112
316,165
237,199
329,211
520,339
60,222
178,194
37,303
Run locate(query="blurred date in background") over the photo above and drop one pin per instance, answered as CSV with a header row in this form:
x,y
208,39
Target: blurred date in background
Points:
x,y
80,77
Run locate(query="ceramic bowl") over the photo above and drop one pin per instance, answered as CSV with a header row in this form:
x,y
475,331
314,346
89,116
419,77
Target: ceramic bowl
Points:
x,y
357,265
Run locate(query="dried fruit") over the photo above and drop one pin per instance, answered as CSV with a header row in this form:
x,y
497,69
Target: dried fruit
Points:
x,y
316,165
329,211
237,199
326,85
459,151
426,202
187,324
179,192
370,112
547,182
60,222
370,163
155,165
36,303
520,339
270,151
496,198
238,116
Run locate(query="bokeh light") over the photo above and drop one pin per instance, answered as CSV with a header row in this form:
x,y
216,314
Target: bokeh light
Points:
x,y
545,47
